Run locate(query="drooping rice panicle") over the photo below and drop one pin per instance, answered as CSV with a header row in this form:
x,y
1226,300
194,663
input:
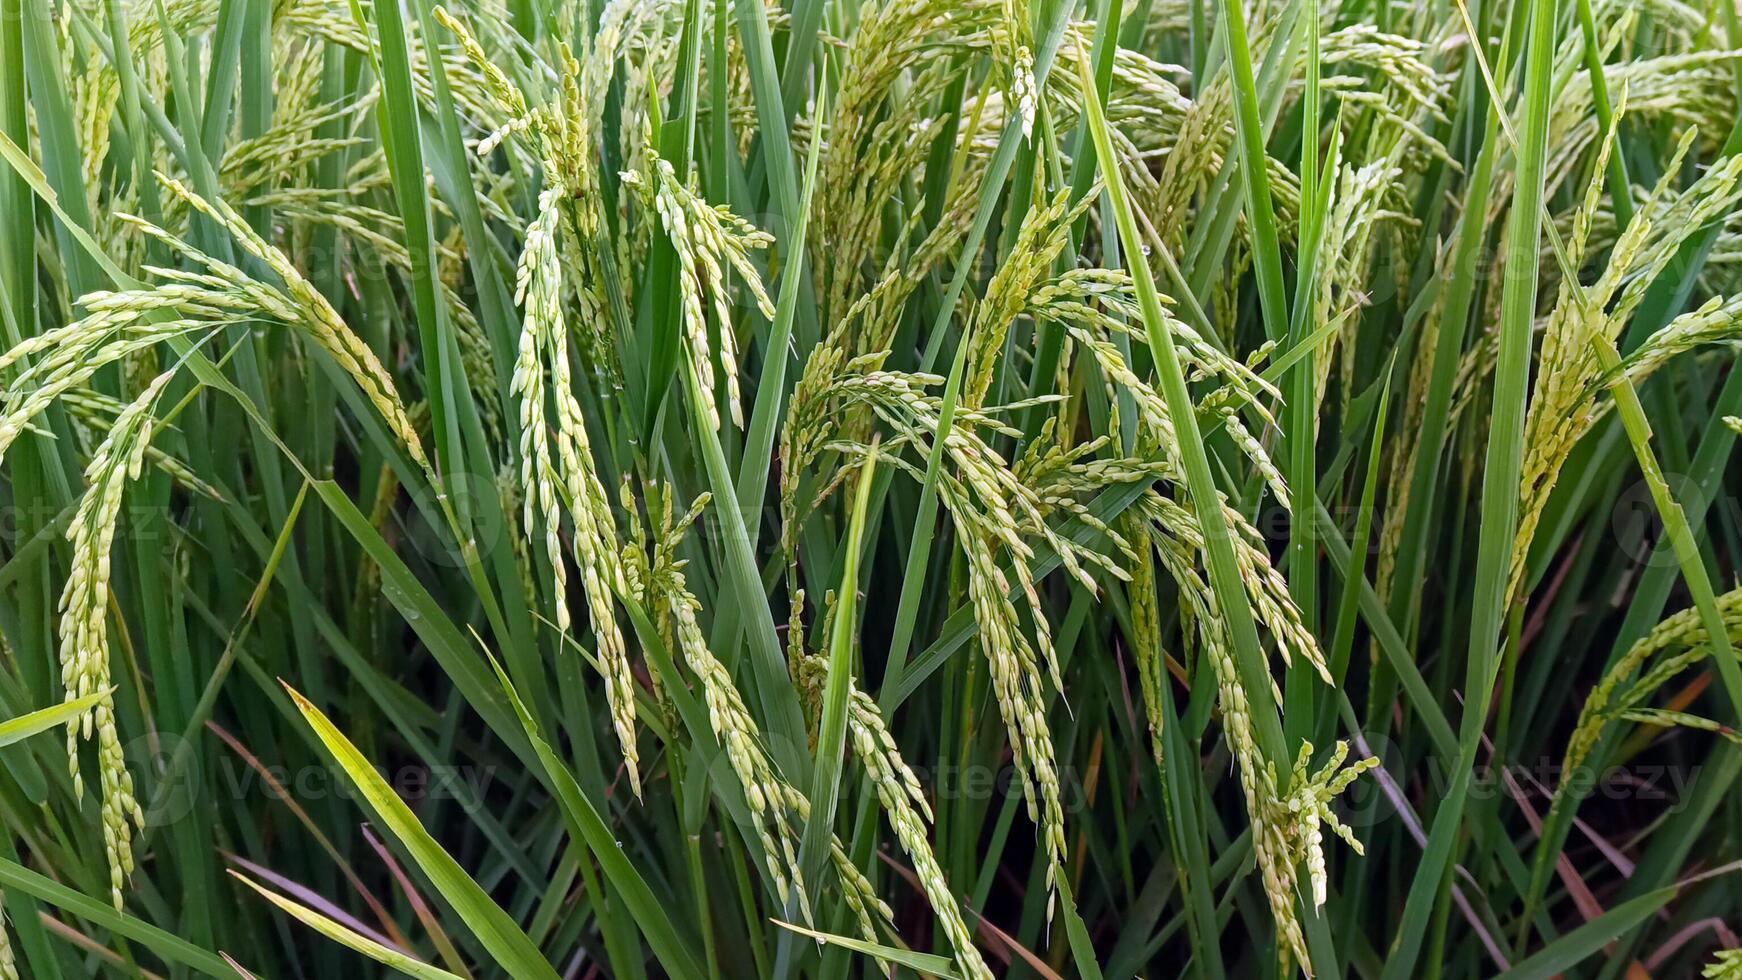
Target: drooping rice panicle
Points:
x,y
305,306
1726,964
708,241
84,624
1061,271
8,959
565,481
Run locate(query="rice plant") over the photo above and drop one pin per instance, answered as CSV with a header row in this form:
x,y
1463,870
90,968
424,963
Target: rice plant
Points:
x,y
869,488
